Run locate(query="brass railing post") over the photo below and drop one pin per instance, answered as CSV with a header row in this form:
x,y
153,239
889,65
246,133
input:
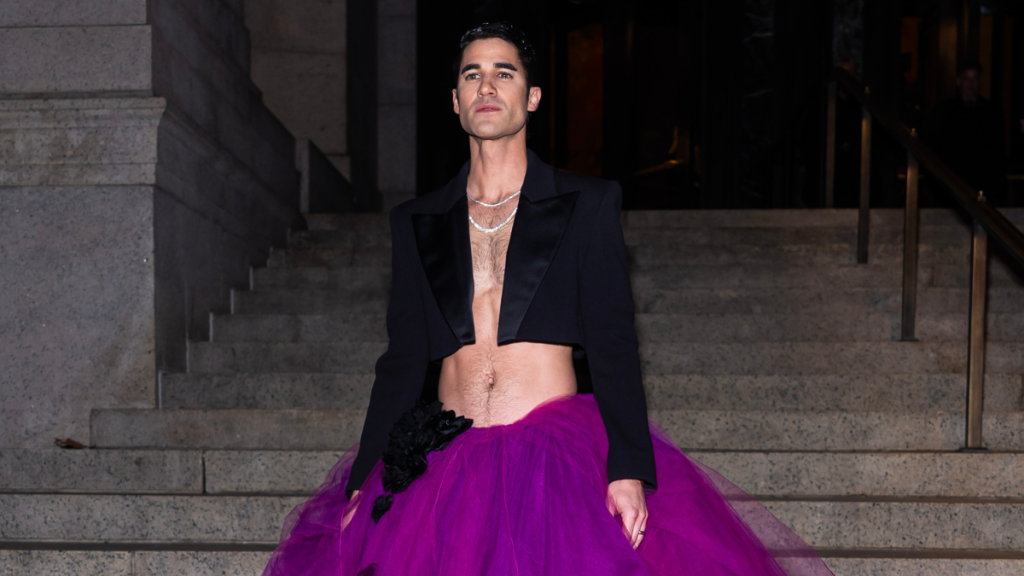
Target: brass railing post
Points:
x,y
864,214
910,243
976,346
830,147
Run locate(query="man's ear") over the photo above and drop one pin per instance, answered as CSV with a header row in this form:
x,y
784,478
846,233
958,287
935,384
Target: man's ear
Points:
x,y
534,99
455,100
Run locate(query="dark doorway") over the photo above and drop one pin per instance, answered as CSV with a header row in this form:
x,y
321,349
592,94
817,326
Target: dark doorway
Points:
x,y
716,103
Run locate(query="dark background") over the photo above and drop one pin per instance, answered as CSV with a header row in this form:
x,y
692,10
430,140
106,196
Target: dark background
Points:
x,y
722,103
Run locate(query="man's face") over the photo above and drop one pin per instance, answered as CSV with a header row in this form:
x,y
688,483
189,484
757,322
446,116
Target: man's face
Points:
x,y
969,82
491,97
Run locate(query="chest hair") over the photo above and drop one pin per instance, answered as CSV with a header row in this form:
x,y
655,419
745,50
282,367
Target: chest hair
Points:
x,y
489,251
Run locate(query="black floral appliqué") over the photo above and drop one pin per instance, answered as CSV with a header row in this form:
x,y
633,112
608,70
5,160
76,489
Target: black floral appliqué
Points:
x,y
419,431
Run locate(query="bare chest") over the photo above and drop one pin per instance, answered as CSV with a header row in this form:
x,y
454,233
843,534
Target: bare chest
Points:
x,y
489,251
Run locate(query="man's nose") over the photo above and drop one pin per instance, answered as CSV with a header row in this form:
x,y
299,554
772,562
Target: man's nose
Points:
x,y
486,86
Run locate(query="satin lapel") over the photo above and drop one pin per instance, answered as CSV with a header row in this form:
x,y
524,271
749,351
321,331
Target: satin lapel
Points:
x,y
536,233
443,243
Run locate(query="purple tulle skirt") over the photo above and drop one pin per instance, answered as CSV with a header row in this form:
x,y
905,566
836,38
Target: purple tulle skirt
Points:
x,y
530,498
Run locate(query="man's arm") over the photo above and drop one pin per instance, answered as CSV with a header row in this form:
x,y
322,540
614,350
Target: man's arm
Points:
x,y
401,369
606,301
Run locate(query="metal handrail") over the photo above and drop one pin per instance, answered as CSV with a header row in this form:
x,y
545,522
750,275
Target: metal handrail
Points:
x,y
986,221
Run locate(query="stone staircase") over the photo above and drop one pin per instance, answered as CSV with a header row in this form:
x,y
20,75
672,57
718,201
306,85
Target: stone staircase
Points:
x,y
768,355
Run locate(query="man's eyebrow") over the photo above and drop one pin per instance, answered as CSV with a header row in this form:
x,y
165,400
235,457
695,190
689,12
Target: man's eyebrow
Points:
x,y
474,66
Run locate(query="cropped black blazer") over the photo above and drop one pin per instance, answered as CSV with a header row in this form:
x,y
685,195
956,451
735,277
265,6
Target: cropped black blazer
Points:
x,y
566,282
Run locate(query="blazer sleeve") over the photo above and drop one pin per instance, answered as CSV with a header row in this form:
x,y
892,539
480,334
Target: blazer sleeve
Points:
x,y
400,371
613,356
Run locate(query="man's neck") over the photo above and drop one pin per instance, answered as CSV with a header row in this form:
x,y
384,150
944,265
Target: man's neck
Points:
x,y
497,168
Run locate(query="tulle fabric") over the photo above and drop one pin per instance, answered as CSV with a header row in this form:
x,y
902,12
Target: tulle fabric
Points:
x,y
530,498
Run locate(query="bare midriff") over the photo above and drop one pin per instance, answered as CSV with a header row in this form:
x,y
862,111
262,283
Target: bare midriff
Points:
x,y
494,384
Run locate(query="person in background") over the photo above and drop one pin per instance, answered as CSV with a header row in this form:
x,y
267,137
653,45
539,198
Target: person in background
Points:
x,y
967,133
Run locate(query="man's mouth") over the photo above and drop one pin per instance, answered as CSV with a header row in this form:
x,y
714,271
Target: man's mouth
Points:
x,y
487,108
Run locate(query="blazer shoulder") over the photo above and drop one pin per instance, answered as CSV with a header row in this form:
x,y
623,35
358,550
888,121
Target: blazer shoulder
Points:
x,y
593,190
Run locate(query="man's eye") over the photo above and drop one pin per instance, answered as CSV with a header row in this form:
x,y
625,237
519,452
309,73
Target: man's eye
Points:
x,y
504,74
471,76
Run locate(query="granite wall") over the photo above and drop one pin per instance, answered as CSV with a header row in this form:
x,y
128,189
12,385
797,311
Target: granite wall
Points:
x,y
140,177
396,100
298,61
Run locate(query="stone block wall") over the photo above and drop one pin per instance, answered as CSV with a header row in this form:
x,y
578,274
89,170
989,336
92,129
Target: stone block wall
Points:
x,y
298,60
396,111
141,176
77,270
227,187
317,60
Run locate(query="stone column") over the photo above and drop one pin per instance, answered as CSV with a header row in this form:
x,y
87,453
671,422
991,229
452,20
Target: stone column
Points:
x,y
140,177
396,93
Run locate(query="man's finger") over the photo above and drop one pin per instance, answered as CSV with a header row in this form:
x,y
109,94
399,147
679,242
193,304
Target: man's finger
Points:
x,y
641,521
629,523
635,531
639,539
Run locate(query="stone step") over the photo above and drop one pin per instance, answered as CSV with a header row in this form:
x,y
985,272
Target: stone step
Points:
x,y
906,475
640,257
337,302
367,223
810,358
810,327
808,475
792,218
266,391
1001,274
797,218
227,429
691,429
368,327
257,519
650,327
942,566
669,237
841,393
794,475
881,218
337,258
766,358
370,277
319,357
135,471
847,276
793,255
834,431
245,563
833,302
143,518
913,525
897,393
116,562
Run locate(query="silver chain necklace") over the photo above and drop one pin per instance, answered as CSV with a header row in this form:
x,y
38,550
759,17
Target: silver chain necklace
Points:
x,y
499,226
491,205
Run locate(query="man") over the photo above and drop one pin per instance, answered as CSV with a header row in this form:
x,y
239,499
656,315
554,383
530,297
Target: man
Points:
x,y
967,133
501,276
494,384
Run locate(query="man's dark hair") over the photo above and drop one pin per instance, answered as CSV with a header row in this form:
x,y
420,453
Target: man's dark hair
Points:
x,y
968,65
509,33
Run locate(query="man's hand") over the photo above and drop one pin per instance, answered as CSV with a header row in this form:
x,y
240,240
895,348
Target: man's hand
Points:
x,y
627,498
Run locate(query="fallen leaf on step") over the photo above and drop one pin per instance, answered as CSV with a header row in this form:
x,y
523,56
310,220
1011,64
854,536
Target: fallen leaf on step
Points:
x,y
69,444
